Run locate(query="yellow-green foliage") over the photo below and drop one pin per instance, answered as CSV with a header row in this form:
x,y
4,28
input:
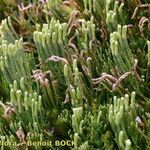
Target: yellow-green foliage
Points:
x,y
75,74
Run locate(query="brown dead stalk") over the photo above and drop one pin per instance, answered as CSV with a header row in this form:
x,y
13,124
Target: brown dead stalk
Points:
x,y
8,111
41,77
139,7
115,82
57,59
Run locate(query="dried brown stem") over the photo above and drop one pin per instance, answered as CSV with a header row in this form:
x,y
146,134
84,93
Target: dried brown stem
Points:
x,y
57,58
115,82
136,9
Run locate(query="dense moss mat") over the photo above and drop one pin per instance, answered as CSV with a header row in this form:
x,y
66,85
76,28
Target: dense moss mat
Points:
x,y
74,74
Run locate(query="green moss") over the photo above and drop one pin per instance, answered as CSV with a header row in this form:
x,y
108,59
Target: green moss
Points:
x,y
75,71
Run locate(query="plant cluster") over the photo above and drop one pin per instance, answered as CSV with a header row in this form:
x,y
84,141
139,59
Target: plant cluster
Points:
x,y
77,71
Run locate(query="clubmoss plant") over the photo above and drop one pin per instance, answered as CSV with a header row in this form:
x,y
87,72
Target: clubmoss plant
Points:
x,y
74,74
